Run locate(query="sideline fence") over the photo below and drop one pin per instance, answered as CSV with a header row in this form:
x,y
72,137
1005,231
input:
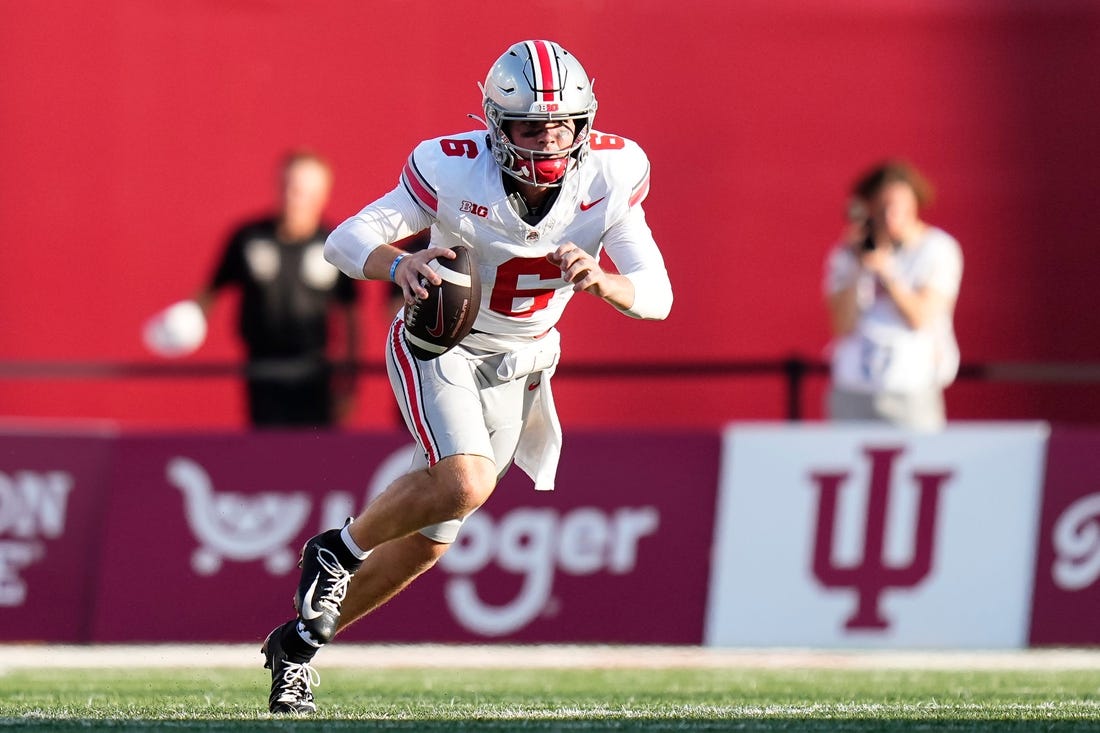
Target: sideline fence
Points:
x,y
793,369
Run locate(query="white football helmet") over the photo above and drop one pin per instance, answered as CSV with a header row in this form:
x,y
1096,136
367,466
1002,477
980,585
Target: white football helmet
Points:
x,y
538,81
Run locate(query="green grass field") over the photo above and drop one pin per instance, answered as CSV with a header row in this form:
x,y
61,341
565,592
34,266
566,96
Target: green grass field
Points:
x,y
737,699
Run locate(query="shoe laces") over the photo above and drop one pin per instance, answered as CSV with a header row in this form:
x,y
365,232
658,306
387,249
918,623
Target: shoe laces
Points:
x,y
336,582
298,681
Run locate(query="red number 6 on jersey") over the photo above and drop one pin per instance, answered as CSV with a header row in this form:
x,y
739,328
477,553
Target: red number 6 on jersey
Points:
x,y
507,290
603,141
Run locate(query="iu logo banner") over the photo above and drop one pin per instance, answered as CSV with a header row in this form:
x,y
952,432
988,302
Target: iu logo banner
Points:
x,y
865,536
872,575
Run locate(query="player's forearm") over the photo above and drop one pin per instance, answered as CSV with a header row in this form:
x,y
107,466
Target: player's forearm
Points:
x,y
646,294
379,263
631,247
616,290
389,219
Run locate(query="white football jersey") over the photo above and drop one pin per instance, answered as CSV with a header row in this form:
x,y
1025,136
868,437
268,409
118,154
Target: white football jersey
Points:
x,y
453,185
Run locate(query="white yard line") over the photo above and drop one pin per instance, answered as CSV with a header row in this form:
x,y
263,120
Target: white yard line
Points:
x,y
15,656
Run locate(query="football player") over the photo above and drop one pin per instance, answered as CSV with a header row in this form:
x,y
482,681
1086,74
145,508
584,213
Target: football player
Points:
x,y
538,197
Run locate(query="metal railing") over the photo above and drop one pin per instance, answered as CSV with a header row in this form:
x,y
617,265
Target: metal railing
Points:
x,y
793,369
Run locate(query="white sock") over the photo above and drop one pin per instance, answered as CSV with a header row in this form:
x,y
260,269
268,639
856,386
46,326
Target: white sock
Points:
x,y
353,548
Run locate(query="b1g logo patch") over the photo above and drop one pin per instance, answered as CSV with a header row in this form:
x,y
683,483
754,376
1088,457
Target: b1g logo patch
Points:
x,y
469,207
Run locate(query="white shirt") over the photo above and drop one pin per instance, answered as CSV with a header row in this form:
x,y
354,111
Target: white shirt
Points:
x,y
884,353
453,185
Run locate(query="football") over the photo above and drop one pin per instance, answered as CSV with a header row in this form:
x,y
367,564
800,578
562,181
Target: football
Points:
x,y
435,324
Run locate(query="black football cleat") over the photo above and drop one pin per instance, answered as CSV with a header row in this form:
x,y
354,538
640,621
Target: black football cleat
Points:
x,y
323,585
291,683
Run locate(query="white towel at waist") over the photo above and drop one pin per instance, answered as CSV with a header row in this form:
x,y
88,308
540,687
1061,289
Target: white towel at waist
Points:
x,y
540,442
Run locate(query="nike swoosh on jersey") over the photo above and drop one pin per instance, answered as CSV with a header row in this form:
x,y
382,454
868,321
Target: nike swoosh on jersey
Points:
x,y
585,206
437,330
307,611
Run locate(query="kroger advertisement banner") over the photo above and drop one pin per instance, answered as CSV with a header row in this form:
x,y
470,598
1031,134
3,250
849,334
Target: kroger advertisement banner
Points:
x,y
1067,573
618,552
196,538
51,490
202,532
861,536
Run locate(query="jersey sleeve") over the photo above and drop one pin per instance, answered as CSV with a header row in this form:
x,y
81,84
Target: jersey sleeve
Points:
x,y
639,188
398,214
628,239
231,267
630,245
625,165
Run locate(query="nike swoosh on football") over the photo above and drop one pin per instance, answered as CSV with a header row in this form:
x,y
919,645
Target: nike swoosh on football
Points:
x,y
587,206
437,330
307,603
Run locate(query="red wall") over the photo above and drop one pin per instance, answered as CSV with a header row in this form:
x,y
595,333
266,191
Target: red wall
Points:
x,y
133,135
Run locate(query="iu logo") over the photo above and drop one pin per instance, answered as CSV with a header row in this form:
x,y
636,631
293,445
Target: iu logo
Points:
x,y
871,575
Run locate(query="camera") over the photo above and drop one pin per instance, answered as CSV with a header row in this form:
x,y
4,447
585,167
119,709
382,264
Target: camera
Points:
x,y
868,242
858,211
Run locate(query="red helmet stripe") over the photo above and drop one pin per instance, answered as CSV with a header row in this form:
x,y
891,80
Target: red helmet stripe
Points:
x,y
543,62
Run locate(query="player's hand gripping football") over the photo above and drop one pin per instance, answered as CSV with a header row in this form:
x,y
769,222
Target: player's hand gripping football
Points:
x,y
417,265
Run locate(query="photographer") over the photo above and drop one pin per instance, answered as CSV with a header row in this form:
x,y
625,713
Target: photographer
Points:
x,y
891,287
